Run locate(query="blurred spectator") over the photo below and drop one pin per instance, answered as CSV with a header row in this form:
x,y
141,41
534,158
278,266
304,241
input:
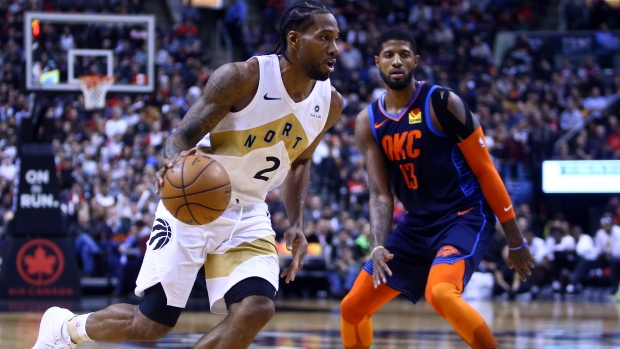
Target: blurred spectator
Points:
x,y
608,240
543,265
571,118
314,206
363,240
131,253
234,19
561,247
84,240
594,256
116,124
595,103
607,46
576,15
613,140
587,257
7,168
615,262
342,261
493,262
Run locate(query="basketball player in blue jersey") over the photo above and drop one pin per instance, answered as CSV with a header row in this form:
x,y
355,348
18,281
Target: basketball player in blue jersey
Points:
x,y
422,142
261,119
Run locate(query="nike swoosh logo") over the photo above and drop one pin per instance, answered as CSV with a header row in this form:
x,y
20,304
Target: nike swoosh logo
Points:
x,y
460,213
270,98
507,208
380,124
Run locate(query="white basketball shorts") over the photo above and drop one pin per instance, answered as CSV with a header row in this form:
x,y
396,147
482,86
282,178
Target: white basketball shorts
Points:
x,y
238,245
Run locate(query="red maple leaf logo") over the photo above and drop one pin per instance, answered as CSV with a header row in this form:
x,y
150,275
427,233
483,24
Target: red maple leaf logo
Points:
x,y
40,262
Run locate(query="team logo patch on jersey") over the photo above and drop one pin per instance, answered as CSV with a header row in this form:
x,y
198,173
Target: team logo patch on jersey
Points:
x,y
160,236
316,114
447,250
415,116
481,141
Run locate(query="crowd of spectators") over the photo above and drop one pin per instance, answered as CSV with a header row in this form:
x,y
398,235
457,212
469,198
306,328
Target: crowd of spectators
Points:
x,y
106,160
567,257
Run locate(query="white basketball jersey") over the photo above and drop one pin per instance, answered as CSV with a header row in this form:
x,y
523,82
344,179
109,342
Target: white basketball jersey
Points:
x,y
257,145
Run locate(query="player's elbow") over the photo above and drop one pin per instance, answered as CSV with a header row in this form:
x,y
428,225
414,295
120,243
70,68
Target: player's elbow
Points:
x,y
382,198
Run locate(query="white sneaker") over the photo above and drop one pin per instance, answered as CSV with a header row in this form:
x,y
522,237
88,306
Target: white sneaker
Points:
x,y
50,334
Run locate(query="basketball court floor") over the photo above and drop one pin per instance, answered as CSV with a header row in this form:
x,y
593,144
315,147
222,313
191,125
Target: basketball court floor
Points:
x,y
315,325
297,324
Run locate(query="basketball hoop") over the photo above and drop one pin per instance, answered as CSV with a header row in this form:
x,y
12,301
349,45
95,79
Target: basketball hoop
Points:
x,y
95,88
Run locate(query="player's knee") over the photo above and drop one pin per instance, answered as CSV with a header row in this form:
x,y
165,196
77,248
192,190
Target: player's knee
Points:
x,y
438,295
351,311
154,317
255,310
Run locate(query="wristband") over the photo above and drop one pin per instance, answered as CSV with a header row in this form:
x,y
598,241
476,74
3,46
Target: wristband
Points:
x,y
523,245
372,252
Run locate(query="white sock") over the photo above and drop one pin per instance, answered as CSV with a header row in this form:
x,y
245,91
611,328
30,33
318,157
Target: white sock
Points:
x,y
76,327
64,332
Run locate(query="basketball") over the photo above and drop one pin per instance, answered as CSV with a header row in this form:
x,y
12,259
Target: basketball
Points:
x,y
196,190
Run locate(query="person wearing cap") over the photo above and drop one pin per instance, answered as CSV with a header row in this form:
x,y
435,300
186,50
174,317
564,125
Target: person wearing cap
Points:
x,y
602,249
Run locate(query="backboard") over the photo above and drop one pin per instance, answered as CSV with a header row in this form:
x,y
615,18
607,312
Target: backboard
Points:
x,y
61,47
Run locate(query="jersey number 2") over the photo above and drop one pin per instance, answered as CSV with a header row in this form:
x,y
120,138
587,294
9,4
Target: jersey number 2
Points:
x,y
408,171
276,164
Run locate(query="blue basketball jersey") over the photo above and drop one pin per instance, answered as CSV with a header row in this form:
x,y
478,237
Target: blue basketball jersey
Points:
x,y
426,168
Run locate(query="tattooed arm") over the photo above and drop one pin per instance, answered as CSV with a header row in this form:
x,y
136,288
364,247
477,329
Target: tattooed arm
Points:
x,y
450,114
381,198
230,87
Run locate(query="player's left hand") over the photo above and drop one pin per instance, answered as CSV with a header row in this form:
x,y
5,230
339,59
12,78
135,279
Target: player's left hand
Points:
x,y
167,164
521,261
298,245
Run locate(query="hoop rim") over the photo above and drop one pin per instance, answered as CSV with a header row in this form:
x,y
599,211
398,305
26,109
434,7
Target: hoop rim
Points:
x,y
90,81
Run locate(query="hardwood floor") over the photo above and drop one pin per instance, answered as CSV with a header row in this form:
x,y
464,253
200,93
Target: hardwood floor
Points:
x,y
315,325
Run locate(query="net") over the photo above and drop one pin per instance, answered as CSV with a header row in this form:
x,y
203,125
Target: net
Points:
x,y
95,88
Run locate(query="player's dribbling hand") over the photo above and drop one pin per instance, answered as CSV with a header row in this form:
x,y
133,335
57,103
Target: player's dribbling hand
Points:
x,y
379,266
521,261
159,175
298,245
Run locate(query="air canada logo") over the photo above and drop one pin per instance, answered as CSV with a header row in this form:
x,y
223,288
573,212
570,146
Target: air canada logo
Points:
x,y
40,262
316,114
161,234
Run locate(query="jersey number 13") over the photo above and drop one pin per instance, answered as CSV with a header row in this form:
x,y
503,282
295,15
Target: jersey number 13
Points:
x,y
408,171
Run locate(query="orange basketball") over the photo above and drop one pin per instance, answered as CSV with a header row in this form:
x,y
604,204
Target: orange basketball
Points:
x,y
196,190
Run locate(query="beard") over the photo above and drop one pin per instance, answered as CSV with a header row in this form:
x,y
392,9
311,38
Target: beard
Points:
x,y
397,85
314,72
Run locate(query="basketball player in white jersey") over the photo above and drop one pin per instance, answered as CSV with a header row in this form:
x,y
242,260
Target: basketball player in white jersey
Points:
x,y
261,119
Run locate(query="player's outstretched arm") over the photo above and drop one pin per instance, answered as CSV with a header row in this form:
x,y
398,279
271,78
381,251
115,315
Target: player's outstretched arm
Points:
x,y
228,86
381,203
294,190
451,115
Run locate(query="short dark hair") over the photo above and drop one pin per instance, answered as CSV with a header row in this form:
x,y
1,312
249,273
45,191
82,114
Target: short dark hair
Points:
x,y
396,34
299,18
